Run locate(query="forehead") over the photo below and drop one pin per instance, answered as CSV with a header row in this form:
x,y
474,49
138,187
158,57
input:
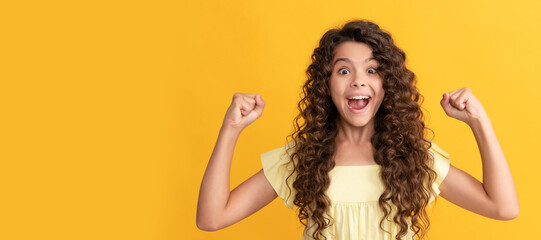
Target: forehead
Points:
x,y
355,51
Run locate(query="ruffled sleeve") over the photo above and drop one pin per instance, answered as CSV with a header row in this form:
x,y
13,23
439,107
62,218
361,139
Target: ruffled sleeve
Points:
x,y
277,166
441,166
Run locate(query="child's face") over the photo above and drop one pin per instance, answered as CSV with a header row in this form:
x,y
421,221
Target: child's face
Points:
x,y
355,75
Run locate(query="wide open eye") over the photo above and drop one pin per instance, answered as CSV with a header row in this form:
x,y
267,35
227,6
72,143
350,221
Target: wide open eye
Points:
x,y
371,70
343,71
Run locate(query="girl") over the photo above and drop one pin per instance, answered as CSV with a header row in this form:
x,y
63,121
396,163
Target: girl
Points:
x,y
357,165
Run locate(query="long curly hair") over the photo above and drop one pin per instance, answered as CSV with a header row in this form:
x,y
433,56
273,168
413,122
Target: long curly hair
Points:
x,y
400,147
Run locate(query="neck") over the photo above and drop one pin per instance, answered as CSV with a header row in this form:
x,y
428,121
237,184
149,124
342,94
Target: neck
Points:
x,y
353,134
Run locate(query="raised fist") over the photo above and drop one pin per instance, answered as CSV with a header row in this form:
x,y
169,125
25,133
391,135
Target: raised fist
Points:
x,y
461,104
244,110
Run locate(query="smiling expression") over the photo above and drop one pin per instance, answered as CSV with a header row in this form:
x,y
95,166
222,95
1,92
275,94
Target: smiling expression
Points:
x,y
355,76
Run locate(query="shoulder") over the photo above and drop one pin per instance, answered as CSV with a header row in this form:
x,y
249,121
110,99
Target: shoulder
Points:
x,y
279,171
277,156
441,161
436,150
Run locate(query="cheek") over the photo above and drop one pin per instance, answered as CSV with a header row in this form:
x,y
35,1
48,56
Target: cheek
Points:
x,y
334,87
335,98
335,93
380,93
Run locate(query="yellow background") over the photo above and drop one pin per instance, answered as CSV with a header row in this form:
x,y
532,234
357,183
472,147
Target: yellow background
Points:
x,y
110,110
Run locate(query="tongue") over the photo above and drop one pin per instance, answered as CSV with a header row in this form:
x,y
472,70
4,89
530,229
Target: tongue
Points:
x,y
358,104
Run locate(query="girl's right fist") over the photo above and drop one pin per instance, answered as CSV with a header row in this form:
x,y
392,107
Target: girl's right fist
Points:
x,y
244,110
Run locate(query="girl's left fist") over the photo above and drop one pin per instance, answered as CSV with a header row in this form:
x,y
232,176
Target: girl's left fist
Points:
x,y
462,105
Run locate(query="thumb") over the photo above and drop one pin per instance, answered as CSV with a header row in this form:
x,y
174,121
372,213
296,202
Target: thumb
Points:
x,y
445,104
257,111
259,104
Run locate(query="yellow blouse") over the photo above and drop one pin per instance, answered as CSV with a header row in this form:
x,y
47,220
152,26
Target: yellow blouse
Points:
x,y
354,192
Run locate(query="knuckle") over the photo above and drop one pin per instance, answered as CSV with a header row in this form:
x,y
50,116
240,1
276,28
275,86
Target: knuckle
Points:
x,y
238,95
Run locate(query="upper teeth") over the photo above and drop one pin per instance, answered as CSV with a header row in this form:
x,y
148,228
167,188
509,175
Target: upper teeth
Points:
x,y
359,97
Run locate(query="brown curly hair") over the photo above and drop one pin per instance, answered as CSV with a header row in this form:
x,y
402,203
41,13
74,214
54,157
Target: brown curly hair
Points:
x,y
400,147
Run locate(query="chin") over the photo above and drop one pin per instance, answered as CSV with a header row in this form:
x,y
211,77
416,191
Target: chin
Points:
x,y
358,123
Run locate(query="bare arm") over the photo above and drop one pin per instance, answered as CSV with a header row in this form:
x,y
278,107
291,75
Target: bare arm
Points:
x,y
496,196
217,207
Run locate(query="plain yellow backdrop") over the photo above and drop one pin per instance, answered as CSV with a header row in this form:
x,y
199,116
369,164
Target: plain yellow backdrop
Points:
x,y
110,109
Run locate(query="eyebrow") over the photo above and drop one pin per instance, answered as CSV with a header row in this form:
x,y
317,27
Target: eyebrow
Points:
x,y
349,61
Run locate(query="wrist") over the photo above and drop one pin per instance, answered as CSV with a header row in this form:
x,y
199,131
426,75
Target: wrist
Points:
x,y
480,122
230,130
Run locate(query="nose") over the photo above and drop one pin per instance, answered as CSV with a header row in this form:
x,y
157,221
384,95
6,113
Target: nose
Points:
x,y
355,84
358,81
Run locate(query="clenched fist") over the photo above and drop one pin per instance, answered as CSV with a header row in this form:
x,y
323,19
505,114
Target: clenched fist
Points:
x,y
461,104
244,110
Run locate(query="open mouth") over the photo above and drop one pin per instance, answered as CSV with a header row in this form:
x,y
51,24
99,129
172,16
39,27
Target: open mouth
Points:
x,y
358,104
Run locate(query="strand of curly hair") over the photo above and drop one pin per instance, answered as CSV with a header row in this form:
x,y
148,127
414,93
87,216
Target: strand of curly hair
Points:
x,y
401,149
